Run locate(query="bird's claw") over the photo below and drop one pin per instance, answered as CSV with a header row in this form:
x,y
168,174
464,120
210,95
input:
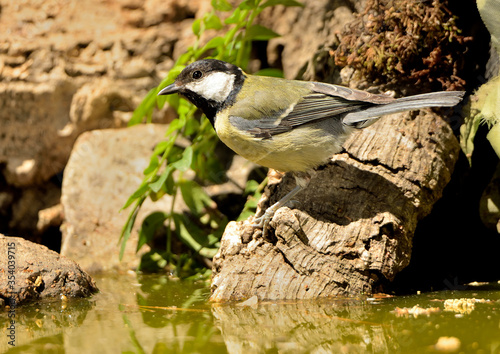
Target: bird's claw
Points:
x,y
262,222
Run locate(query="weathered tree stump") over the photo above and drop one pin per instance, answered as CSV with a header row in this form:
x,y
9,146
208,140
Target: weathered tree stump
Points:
x,y
352,228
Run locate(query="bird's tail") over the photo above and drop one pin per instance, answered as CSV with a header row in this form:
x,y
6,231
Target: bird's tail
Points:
x,y
366,116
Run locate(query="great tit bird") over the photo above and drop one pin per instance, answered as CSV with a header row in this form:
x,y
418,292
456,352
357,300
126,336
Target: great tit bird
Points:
x,y
288,125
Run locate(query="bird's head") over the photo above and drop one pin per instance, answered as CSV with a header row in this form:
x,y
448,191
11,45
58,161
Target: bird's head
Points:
x,y
209,84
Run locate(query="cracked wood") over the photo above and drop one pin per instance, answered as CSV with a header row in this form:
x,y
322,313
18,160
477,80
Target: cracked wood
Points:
x,y
351,230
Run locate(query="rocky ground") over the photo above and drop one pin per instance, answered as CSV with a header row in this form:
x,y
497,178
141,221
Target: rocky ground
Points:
x,y
69,67
33,272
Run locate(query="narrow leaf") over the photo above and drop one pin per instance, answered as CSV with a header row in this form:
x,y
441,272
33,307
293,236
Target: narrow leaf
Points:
x,y
212,21
153,164
213,43
139,193
221,5
161,147
281,2
196,27
127,228
185,162
174,125
235,17
145,108
270,72
149,226
260,33
156,185
248,5
192,236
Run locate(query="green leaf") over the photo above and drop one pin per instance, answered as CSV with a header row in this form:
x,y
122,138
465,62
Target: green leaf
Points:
x,y
213,43
161,147
270,72
281,2
489,11
482,108
251,186
194,196
139,193
196,27
149,226
212,21
221,5
245,215
153,164
145,108
185,162
127,228
194,237
235,46
468,132
259,33
191,127
174,154
175,125
248,5
170,185
157,185
188,191
236,17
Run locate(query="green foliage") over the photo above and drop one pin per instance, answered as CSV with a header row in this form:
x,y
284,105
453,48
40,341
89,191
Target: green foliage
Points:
x,y
484,108
253,190
201,230
485,104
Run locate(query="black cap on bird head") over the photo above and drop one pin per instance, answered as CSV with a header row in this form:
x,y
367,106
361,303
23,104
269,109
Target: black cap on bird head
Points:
x,y
209,84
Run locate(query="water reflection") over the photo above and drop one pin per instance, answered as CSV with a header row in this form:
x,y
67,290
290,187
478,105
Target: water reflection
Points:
x,y
331,327
40,325
154,314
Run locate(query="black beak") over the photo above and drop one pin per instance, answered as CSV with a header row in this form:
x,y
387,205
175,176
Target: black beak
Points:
x,y
170,89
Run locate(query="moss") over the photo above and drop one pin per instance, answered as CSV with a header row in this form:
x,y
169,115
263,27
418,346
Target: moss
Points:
x,y
404,42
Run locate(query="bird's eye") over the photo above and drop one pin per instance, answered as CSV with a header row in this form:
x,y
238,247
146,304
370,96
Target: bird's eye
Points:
x,y
197,74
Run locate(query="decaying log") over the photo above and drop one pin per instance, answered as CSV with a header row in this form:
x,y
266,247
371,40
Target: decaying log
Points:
x,y
351,230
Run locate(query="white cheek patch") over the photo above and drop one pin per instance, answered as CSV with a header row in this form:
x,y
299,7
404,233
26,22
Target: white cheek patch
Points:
x,y
216,86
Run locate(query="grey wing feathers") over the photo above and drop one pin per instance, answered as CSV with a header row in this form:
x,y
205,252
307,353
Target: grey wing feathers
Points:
x,y
434,99
351,94
313,107
262,128
354,107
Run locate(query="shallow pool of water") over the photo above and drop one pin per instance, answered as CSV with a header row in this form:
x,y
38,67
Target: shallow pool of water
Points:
x,y
153,314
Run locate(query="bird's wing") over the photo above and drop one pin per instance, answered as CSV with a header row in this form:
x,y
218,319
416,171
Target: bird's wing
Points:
x,y
351,94
322,101
312,108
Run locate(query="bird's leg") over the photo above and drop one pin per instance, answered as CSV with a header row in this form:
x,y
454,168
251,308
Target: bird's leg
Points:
x,y
302,179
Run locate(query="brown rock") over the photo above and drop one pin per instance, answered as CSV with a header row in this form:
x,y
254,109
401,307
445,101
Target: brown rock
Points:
x,y
68,69
104,169
32,117
50,217
94,105
29,272
25,209
303,30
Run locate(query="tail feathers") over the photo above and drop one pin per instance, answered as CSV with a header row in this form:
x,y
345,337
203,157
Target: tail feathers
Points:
x,y
367,116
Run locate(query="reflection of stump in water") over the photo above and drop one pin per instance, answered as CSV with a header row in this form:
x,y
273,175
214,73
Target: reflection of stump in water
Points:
x,y
354,224
342,326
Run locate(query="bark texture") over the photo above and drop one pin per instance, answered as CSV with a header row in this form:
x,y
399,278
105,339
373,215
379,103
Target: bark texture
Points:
x,y
351,230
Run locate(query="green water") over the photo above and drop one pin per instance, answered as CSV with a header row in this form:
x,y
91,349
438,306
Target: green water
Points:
x,y
152,314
